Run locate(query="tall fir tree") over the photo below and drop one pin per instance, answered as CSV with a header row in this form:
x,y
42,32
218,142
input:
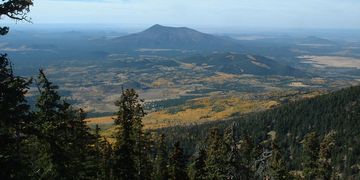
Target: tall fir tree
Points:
x,y
14,117
326,151
310,155
216,162
144,157
161,171
105,156
64,130
233,165
14,111
278,169
198,168
248,154
178,164
128,147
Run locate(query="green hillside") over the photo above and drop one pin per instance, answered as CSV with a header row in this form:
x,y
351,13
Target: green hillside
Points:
x,y
337,111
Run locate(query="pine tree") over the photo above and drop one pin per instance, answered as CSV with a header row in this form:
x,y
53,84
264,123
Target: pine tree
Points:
x,y
325,153
143,158
278,168
310,155
161,171
246,149
234,167
105,156
14,117
216,162
199,166
64,130
178,164
128,147
14,111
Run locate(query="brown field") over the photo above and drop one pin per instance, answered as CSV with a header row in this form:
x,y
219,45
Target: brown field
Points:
x,y
197,111
332,61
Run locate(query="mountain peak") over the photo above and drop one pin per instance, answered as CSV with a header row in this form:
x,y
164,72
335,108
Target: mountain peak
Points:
x,y
161,28
157,26
159,36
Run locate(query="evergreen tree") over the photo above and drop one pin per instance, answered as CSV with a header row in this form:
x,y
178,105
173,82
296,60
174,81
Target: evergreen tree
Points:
x,y
246,149
325,153
178,163
216,162
199,166
143,159
234,166
128,147
14,112
278,168
310,155
105,156
161,160
64,130
14,117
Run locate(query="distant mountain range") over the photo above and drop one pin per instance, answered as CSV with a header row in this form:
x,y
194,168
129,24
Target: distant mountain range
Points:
x,y
163,37
314,40
234,63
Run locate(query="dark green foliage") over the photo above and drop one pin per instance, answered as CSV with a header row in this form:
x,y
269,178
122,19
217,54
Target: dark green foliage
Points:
x,y
338,111
310,155
278,167
63,130
144,158
234,166
104,158
326,151
248,153
130,150
14,116
178,163
216,162
161,171
198,168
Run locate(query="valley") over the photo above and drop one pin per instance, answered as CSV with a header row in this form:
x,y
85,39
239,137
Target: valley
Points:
x,y
171,66
179,90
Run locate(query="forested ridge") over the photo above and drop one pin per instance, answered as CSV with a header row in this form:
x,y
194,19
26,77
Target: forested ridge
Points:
x,y
336,112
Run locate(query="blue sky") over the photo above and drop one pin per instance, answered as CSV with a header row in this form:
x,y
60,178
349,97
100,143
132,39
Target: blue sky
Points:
x,y
201,13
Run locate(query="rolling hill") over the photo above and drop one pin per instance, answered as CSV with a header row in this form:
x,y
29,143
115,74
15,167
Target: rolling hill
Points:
x,y
234,63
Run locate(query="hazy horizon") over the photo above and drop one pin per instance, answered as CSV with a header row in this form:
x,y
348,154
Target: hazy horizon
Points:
x,y
200,14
